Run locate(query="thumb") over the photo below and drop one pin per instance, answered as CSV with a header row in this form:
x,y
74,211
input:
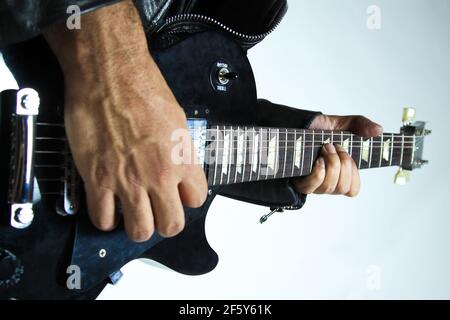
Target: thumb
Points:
x,y
358,125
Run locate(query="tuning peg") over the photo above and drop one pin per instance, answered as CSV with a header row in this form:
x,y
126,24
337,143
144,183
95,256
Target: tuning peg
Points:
x,y
402,177
409,115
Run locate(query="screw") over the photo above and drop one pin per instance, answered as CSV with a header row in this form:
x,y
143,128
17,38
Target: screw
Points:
x,y
102,253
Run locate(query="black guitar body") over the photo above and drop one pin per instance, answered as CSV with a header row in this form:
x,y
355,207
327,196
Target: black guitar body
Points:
x,y
38,262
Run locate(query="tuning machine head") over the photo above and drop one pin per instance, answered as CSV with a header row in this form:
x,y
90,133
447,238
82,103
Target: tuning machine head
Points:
x,y
409,116
416,131
402,177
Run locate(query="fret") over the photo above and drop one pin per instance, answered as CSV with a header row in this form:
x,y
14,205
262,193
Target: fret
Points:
x,y
332,139
231,161
307,154
346,144
408,150
375,151
265,149
225,154
303,152
259,154
370,152
326,138
351,145
216,162
247,156
293,153
392,150
312,152
285,153
397,150
254,154
357,150
401,152
381,150
239,155
272,153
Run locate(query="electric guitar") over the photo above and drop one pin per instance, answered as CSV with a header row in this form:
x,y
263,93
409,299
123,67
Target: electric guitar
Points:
x,y
48,247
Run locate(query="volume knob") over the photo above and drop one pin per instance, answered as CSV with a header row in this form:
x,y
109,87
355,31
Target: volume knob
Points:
x,y
11,269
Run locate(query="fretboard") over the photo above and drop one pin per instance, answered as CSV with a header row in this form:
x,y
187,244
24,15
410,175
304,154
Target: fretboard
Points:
x,y
242,154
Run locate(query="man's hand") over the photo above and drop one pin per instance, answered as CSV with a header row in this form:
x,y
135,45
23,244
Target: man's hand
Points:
x,y
335,172
119,117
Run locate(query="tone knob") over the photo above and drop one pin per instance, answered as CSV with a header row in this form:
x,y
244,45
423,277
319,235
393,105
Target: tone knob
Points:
x,y
11,269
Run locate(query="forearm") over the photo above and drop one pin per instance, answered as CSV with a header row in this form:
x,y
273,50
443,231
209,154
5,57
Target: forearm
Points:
x,y
110,39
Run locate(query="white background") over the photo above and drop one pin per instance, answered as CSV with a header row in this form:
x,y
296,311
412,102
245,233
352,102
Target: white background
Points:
x,y
389,242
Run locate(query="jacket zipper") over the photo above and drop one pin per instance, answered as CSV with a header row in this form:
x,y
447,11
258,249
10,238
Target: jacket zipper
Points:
x,y
197,18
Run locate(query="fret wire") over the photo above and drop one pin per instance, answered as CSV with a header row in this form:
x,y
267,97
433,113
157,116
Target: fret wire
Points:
x,y
217,155
370,151
351,146
360,153
401,156
381,150
237,154
285,154
230,152
245,153
312,152
260,153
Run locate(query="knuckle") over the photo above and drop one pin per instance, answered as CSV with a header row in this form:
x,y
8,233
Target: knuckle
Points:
x,y
353,193
171,229
342,189
326,188
141,235
333,163
346,161
103,224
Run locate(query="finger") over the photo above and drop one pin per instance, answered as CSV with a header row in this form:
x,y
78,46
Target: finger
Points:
x,y
356,181
168,211
359,125
310,183
137,213
100,202
332,169
345,176
193,189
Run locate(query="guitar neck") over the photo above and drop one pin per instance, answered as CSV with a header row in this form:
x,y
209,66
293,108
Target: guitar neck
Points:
x,y
237,154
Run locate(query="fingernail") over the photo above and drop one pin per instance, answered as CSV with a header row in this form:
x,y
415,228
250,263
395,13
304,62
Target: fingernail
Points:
x,y
321,162
339,148
329,148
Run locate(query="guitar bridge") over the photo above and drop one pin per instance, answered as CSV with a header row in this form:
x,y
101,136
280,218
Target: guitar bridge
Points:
x,y
23,132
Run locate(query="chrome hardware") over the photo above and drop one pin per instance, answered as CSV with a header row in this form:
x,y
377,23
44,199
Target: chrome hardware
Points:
x,y
22,161
27,102
224,76
22,215
409,115
402,177
267,216
418,163
102,253
70,202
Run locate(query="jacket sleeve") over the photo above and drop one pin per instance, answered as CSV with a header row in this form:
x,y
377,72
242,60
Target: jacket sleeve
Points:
x,y
21,20
279,192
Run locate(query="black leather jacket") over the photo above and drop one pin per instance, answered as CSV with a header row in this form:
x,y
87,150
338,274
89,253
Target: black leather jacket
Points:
x,y
21,20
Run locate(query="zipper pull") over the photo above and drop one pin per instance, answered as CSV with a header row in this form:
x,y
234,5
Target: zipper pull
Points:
x,y
267,216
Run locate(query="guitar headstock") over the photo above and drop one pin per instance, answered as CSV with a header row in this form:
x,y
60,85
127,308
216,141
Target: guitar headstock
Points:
x,y
418,132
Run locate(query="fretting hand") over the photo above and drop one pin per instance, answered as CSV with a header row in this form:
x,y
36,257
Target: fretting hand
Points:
x,y
335,172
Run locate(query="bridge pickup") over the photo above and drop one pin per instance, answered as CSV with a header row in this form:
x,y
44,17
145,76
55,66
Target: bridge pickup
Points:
x,y
22,179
